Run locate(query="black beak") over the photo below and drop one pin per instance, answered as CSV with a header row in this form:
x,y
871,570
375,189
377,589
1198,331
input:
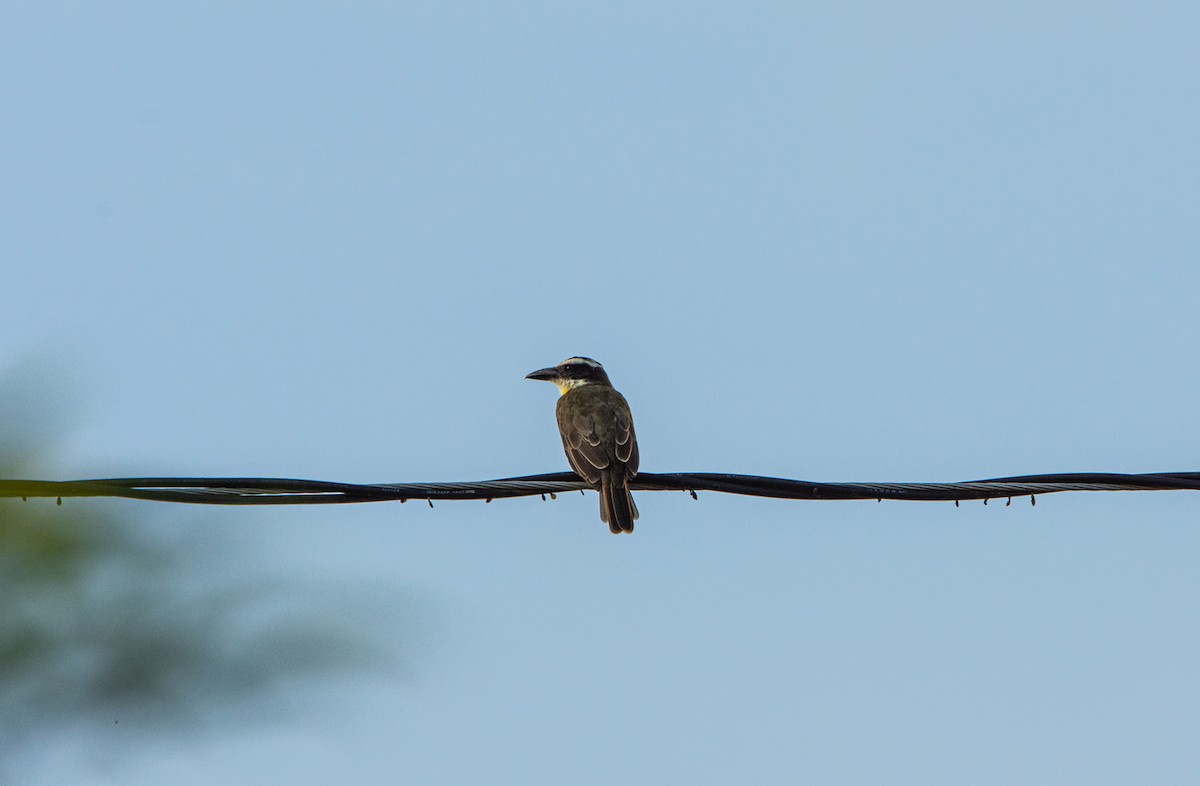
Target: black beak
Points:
x,y
544,374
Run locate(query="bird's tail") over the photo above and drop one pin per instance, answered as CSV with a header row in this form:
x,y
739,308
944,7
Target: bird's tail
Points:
x,y
616,503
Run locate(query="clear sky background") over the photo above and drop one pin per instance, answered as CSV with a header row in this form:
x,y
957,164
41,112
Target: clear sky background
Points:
x,y
835,241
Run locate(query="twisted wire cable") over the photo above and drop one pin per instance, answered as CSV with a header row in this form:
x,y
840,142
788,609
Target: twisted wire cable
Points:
x,y
284,491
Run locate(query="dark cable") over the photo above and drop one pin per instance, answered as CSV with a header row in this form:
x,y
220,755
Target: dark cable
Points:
x,y
281,491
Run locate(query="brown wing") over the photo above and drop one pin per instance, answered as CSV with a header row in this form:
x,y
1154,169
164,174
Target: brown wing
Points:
x,y
624,437
597,432
583,443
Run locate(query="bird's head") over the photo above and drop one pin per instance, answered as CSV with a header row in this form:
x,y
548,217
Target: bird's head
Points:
x,y
572,373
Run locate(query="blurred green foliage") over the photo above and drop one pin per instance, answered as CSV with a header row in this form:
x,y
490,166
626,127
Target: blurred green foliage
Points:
x,y
105,619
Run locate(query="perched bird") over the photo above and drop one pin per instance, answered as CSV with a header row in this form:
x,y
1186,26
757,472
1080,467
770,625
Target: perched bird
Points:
x,y
596,427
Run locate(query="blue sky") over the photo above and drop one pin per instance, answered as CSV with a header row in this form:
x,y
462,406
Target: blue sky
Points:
x,y
851,241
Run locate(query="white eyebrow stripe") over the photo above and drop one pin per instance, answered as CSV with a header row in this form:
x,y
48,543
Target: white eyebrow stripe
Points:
x,y
580,362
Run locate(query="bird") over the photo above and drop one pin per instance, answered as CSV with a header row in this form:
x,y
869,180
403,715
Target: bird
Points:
x,y
596,427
